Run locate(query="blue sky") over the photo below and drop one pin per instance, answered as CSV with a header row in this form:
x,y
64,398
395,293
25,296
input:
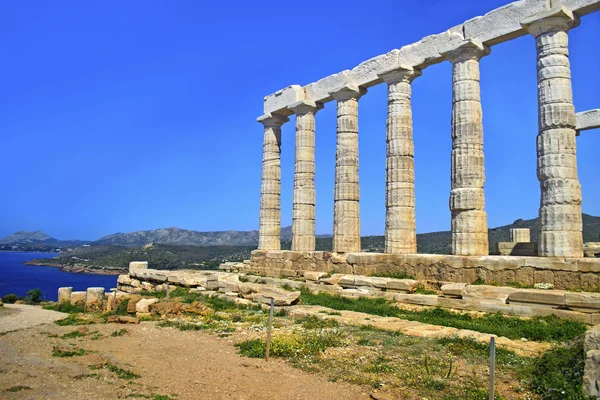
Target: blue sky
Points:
x,y
131,115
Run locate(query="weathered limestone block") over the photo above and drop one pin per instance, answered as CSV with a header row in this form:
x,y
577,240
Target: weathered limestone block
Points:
x,y
137,265
585,302
94,299
517,249
520,235
124,280
314,275
64,295
143,306
469,219
402,285
489,293
400,223
270,202
503,23
591,249
132,303
263,294
304,195
453,289
279,101
587,120
560,210
346,214
553,298
78,298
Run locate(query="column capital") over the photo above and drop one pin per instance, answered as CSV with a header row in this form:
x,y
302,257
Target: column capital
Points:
x,y
401,73
347,91
272,120
553,20
304,107
468,49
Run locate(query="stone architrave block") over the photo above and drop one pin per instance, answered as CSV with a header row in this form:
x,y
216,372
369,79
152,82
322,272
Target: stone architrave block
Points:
x,y
579,7
279,101
503,23
587,120
489,293
554,298
453,289
428,50
590,249
370,281
320,90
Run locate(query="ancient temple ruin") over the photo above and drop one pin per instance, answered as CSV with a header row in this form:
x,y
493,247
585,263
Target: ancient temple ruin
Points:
x,y
560,248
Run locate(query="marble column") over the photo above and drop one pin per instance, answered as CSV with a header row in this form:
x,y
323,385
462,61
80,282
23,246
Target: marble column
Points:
x,y
270,190
560,205
304,196
400,221
467,201
346,211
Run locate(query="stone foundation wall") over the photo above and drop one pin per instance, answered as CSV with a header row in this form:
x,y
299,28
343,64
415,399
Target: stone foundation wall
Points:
x,y
570,274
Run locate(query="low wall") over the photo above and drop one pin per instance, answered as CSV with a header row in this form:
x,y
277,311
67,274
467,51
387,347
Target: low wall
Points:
x,y
574,273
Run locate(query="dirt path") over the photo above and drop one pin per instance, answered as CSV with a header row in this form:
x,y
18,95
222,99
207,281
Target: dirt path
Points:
x,y
20,316
189,364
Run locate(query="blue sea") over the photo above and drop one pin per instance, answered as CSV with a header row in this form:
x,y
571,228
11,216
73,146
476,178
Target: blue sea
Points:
x,y
18,278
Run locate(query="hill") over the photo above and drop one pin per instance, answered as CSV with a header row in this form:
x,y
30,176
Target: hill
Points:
x,y
177,236
441,242
26,237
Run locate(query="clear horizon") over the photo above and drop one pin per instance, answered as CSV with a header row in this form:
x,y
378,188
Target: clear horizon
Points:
x,y
121,117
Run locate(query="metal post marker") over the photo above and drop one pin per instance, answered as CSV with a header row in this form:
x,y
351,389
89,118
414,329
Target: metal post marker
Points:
x,y
492,365
167,302
269,329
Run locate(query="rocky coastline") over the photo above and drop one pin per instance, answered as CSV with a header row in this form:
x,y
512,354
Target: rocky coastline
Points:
x,y
80,268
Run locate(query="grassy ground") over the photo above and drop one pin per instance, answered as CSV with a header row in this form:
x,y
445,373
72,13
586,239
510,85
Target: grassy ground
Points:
x,y
540,328
447,368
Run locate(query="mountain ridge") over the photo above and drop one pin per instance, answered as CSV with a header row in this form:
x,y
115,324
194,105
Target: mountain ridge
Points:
x,y
435,242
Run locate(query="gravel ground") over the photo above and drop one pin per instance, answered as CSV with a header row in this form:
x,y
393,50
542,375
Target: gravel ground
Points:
x,y
169,362
21,316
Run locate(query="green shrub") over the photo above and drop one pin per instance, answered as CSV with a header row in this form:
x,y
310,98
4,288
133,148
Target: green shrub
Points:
x,y
292,345
121,308
69,308
64,352
10,298
395,275
34,296
313,322
73,319
558,373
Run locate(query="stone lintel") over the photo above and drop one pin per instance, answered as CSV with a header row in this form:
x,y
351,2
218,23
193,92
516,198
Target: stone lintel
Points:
x,y
399,73
557,18
347,91
466,50
304,107
272,119
497,26
587,120
279,101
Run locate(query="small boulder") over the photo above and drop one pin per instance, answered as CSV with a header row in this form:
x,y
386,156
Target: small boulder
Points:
x,y
142,306
174,308
133,300
198,309
264,293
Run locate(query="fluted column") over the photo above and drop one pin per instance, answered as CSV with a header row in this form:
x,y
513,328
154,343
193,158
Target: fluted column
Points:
x,y
270,190
346,211
400,220
304,197
560,205
467,200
